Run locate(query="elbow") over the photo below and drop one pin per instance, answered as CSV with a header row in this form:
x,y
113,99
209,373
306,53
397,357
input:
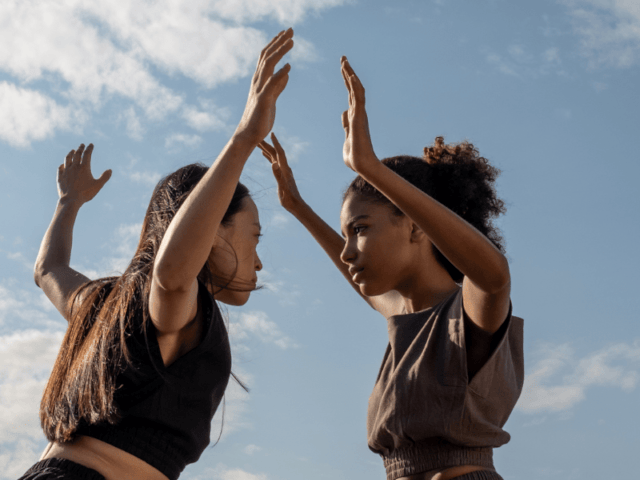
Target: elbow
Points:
x,y
169,279
501,279
38,273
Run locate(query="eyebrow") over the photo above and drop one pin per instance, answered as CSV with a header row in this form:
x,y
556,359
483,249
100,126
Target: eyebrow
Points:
x,y
352,221
258,225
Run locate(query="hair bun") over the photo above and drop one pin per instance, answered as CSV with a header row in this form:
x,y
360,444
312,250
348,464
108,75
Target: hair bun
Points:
x,y
433,154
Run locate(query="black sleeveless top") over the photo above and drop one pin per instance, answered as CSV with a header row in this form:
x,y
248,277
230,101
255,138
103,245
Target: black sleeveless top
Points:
x,y
167,411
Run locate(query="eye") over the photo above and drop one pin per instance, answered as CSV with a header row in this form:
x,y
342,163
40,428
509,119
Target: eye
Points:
x,y
358,228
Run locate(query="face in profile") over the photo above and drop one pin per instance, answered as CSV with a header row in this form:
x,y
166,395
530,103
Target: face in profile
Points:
x,y
234,256
378,246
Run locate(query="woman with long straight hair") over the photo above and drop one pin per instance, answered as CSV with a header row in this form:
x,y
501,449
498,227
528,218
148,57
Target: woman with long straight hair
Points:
x,y
418,244
145,360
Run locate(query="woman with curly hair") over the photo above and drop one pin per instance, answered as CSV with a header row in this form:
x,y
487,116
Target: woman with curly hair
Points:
x,y
146,359
419,246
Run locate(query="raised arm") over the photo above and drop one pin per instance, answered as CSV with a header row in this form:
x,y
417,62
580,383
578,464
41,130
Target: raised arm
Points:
x,y
486,285
76,186
330,241
191,235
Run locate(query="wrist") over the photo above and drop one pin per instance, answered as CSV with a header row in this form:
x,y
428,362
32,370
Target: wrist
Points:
x,y
68,201
369,166
296,207
245,137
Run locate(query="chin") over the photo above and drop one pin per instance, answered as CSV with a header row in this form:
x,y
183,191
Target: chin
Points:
x,y
236,299
372,290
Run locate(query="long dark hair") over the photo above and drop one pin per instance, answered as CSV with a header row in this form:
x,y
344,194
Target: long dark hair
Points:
x,y
456,176
93,352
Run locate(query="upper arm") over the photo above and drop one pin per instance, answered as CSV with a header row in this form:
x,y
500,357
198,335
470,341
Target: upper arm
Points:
x,y
171,310
59,284
487,310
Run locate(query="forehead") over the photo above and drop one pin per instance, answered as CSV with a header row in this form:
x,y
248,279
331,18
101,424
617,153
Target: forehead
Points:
x,y
355,206
248,215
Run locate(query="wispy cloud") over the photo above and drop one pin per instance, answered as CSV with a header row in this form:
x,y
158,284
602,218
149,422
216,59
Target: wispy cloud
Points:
x,y
246,325
85,53
519,61
251,449
286,296
207,117
19,306
134,127
558,380
27,357
176,140
223,472
27,115
609,30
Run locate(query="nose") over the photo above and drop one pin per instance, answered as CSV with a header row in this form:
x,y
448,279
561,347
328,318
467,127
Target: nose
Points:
x,y
348,254
258,263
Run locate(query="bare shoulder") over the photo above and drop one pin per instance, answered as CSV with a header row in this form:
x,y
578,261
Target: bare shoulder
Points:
x,y
488,310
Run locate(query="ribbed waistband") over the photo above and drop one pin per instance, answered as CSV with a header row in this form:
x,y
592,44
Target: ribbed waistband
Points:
x,y
429,455
55,468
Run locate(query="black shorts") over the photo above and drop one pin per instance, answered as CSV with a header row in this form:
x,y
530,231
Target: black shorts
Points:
x,y
60,469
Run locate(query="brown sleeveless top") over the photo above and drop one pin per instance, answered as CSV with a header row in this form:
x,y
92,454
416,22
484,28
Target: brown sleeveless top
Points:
x,y
424,413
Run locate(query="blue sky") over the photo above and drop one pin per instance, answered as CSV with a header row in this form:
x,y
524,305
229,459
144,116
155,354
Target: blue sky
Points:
x,y
546,90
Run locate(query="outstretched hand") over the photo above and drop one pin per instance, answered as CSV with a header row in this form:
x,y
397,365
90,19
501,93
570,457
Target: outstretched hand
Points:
x,y
288,193
358,151
75,181
260,111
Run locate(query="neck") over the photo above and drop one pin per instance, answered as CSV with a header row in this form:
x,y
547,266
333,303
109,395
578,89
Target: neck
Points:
x,y
425,287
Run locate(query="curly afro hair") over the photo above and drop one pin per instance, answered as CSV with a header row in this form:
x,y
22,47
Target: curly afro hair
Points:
x,y
456,176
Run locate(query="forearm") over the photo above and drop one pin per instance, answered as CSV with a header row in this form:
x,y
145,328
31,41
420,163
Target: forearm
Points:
x,y
465,247
191,234
330,240
55,249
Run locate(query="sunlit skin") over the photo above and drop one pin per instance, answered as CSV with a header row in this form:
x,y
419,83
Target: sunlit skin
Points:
x,y
241,263
389,259
195,236
387,252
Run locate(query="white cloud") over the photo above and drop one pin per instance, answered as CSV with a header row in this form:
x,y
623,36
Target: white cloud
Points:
x,y
28,115
222,472
15,461
239,474
18,306
559,381
20,258
210,118
88,52
304,51
257,324
148,178
279,219
27,358
135,130
609,30
286,296
173,141
287,12
251,449
519,62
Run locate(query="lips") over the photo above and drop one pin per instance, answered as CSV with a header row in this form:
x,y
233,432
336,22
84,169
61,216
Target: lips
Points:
x,y
356,273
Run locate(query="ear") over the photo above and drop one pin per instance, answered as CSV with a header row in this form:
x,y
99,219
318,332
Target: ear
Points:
x,y
417,235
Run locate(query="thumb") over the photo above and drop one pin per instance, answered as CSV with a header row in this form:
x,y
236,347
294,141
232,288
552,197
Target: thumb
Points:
x,y
104,178
278,81
345,121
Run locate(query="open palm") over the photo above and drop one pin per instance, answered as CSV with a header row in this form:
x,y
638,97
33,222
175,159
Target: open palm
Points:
x,y
288,193
75,181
